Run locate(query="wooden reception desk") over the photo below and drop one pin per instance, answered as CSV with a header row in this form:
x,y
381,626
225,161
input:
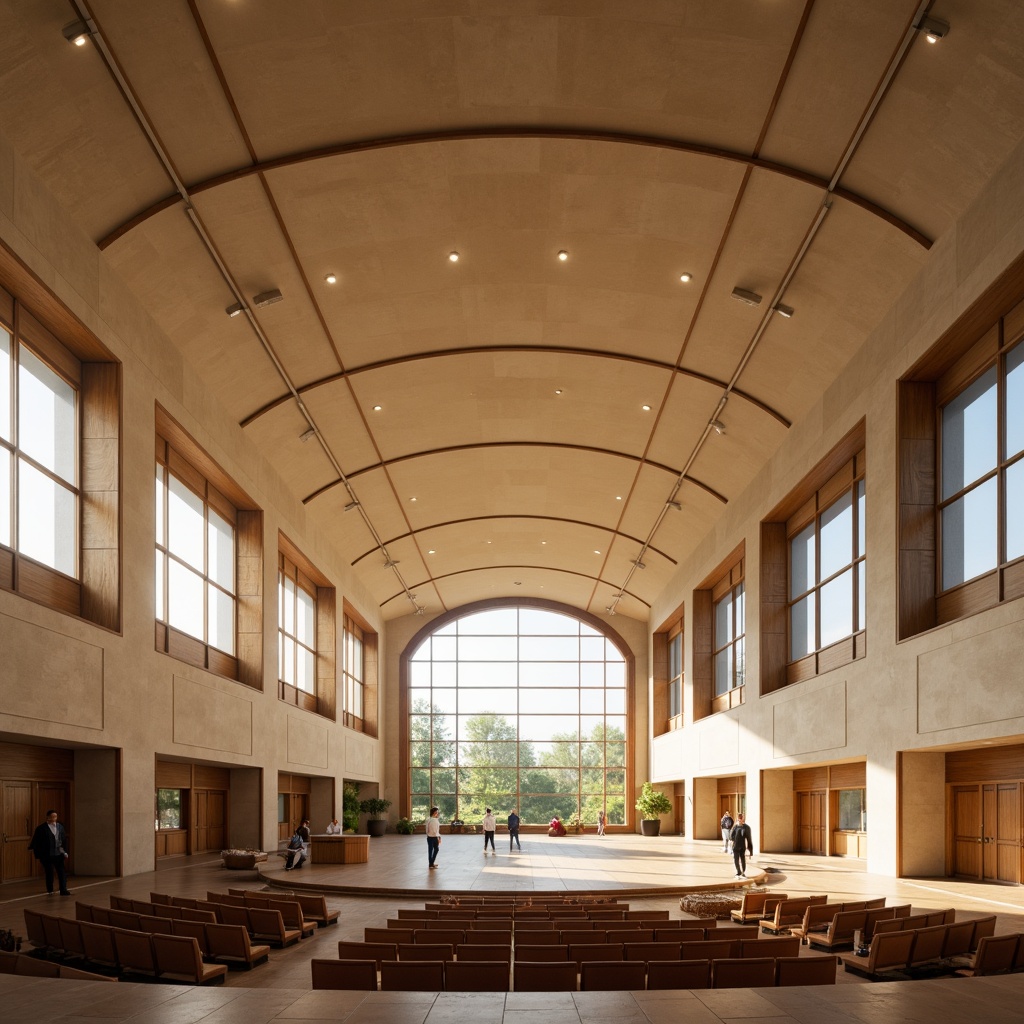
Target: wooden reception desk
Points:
x,y
339,849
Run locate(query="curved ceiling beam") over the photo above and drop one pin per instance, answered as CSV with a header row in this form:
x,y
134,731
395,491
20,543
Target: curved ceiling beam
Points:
x,y
591,353
589,449
430,581
519,132
481,519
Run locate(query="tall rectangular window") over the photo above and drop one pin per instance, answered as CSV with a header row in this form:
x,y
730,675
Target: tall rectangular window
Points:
x,y
675,682
730,638
51,467
359,673
209,561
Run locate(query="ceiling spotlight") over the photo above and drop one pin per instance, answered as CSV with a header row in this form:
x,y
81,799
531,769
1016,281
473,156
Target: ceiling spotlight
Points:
x,y
639,564
686,278
331,278
558,391
610,609
934,29
783,310
717,426
267,298
431,551
747,296
646,408
419,610
377,408
563,255
234,309
351,505
308,434
391,563
412,597
453,256
674,505
77,32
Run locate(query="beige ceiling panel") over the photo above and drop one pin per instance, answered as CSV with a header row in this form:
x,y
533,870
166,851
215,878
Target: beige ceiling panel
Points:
x,y
954,114
510,396
160,43
771,223
690,404
728,463
842,56
377,503
249,241
854,271
165,264
63,114
341,424
461,590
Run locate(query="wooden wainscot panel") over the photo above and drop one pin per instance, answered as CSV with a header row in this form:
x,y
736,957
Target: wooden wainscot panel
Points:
x,y
1013,581
969,599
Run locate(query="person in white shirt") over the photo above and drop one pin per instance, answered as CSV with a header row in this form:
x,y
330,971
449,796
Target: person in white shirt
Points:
x,y
489,826
334,828
433,830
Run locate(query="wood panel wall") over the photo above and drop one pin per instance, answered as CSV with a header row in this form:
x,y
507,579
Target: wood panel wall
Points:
x,y
23,761
985,764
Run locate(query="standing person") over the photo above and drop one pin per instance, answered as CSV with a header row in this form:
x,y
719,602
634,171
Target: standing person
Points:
x,y
600,822
334,828
50,846
513,830
489,826
433,829
727,824
742,843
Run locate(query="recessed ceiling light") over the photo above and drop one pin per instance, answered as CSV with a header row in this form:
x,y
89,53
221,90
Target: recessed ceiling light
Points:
x,y
77,33
686,278
543,542
412,499
563,255
618,497
487,542
331,278
558,391
646,408
431,551
453,256
517,583
377,408
596,552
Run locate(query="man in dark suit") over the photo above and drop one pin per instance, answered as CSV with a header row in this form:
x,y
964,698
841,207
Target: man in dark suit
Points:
x,y
50,846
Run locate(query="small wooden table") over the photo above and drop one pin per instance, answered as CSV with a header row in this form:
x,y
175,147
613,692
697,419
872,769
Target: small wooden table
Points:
x,y
324,849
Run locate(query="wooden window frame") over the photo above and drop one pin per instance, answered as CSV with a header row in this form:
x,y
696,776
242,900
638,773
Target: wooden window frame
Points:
x,y
354,624
841,470
183,458
323,701
671,632
723,580
37,320
980,339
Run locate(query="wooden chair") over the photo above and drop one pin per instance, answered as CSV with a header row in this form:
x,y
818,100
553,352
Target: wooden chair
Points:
x,y
751,906
71,937
393,934
957,942
194,930
995,955
179,959
789,914
630,934
229,944
412,976
160,897
983,926
205,916
493,924
135,954
542,954
476,976
889,952
817,918
375,951
613,976
446,936
679,934
544,977
171,913
420,951
840,932
120,902
238,916
756,972
488,937
98,943
577,936
35,930
124,919
83,912
185,902
349,975
646,916
472,952
927,947
647,951
708,949
805,970
156,925
315,909
534,937
585,952
682,974
782,945
413,914
873,915
268,926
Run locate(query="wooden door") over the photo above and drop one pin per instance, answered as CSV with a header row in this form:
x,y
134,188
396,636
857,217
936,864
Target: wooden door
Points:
x,y
967,832
300,810
210,819
17,860
1001,832
810,819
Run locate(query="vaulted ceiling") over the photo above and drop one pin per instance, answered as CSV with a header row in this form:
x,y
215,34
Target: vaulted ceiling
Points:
x,y
511,423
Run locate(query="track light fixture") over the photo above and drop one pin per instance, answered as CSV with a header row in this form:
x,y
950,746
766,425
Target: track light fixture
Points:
x,y
934,29
351,505
639,564
234,309
267,298
674,505
391,563
783,310
610,609
78,32
308,434
746,296
718,427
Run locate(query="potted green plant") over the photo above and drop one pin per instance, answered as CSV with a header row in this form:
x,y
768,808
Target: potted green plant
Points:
x,y
404,827
377,809
651,803
350,807
575,822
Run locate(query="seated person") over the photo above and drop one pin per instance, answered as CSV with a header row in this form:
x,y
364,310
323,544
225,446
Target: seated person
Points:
x,y
556,828
334,828
296,847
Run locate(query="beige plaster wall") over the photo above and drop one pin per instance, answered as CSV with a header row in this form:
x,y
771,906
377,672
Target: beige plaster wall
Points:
x,y
954,685
775,825
114,691
922,814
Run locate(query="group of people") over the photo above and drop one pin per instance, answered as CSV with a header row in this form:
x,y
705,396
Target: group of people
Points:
x,y
490,825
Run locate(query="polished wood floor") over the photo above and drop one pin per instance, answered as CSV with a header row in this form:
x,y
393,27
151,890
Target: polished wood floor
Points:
x,y
652,872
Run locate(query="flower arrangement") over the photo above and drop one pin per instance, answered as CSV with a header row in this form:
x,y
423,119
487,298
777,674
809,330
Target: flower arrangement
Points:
x,y
575,822
404,827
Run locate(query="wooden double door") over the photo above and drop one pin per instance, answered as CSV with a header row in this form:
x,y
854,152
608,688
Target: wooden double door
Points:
x,y
23,805
986,831
811,822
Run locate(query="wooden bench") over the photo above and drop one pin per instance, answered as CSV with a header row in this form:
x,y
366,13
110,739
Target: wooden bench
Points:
x,y
789,914
752,906
839,934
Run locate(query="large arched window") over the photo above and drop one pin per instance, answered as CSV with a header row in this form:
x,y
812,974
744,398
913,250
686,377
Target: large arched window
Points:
x,y
517,706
